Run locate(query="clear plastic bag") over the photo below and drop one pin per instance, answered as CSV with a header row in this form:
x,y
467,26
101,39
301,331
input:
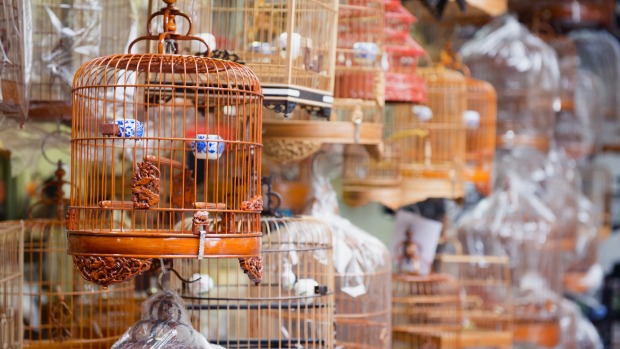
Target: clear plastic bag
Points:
x,y
164,324
525,72
515,222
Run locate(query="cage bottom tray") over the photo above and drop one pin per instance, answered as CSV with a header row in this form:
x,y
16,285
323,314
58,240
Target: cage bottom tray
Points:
x,y
337,132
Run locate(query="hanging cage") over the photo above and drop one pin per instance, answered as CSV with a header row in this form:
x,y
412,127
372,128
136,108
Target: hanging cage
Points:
x,y
480,118
14,37
293,306
356,113
281,42
425,311
11,283
61,309
508,57
486,299
157,139
431,138
367,179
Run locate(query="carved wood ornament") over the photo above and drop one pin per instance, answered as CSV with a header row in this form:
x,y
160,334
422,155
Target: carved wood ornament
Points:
x,y
105,271
145,186
253,267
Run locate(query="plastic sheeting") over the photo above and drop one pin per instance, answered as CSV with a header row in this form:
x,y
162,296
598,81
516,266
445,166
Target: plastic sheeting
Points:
x,y
525,72
15,38
164,324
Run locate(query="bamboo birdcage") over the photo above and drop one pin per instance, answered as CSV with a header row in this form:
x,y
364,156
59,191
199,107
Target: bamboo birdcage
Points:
x,y
11,283
425,311
480,119
157,139
257,32
14,93
359,83
293,306
486,299
61,309
366,179
431,138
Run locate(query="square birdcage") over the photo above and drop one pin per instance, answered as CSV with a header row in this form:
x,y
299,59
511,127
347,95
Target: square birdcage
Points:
x,y
281,41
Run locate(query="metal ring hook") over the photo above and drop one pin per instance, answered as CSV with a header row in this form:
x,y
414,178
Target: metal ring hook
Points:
x,y
166,270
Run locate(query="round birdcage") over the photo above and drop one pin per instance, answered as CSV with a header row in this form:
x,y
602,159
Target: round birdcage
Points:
x,y
431,138
11,284
14,91
293,306
158,139
480,119
425,311
368,179
486,299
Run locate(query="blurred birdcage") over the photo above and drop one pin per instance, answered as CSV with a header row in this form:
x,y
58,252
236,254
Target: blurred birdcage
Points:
x,y
14,37
291,181
486,299
480,119
426,311
431,138
61,309
359,83
65,35
159,139
11,283
508,57
402,52
292,308
281,42
366,179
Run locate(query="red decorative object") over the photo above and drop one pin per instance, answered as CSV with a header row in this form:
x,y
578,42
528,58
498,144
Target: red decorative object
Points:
x,y
401,82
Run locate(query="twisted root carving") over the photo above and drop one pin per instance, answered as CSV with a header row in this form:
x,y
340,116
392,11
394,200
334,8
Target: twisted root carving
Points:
x,y
253,267
145,186
105,271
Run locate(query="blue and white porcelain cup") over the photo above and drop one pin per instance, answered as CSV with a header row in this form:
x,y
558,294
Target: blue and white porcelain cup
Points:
x,y
365,52
130,132
209,147
129,128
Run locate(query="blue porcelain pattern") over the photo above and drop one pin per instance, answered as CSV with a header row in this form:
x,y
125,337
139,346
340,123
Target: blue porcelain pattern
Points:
x,y
212,149
130,128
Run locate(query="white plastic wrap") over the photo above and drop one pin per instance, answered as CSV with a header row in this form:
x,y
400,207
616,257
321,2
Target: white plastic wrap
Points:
x,y
164,324
577,332
363,269
525,72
